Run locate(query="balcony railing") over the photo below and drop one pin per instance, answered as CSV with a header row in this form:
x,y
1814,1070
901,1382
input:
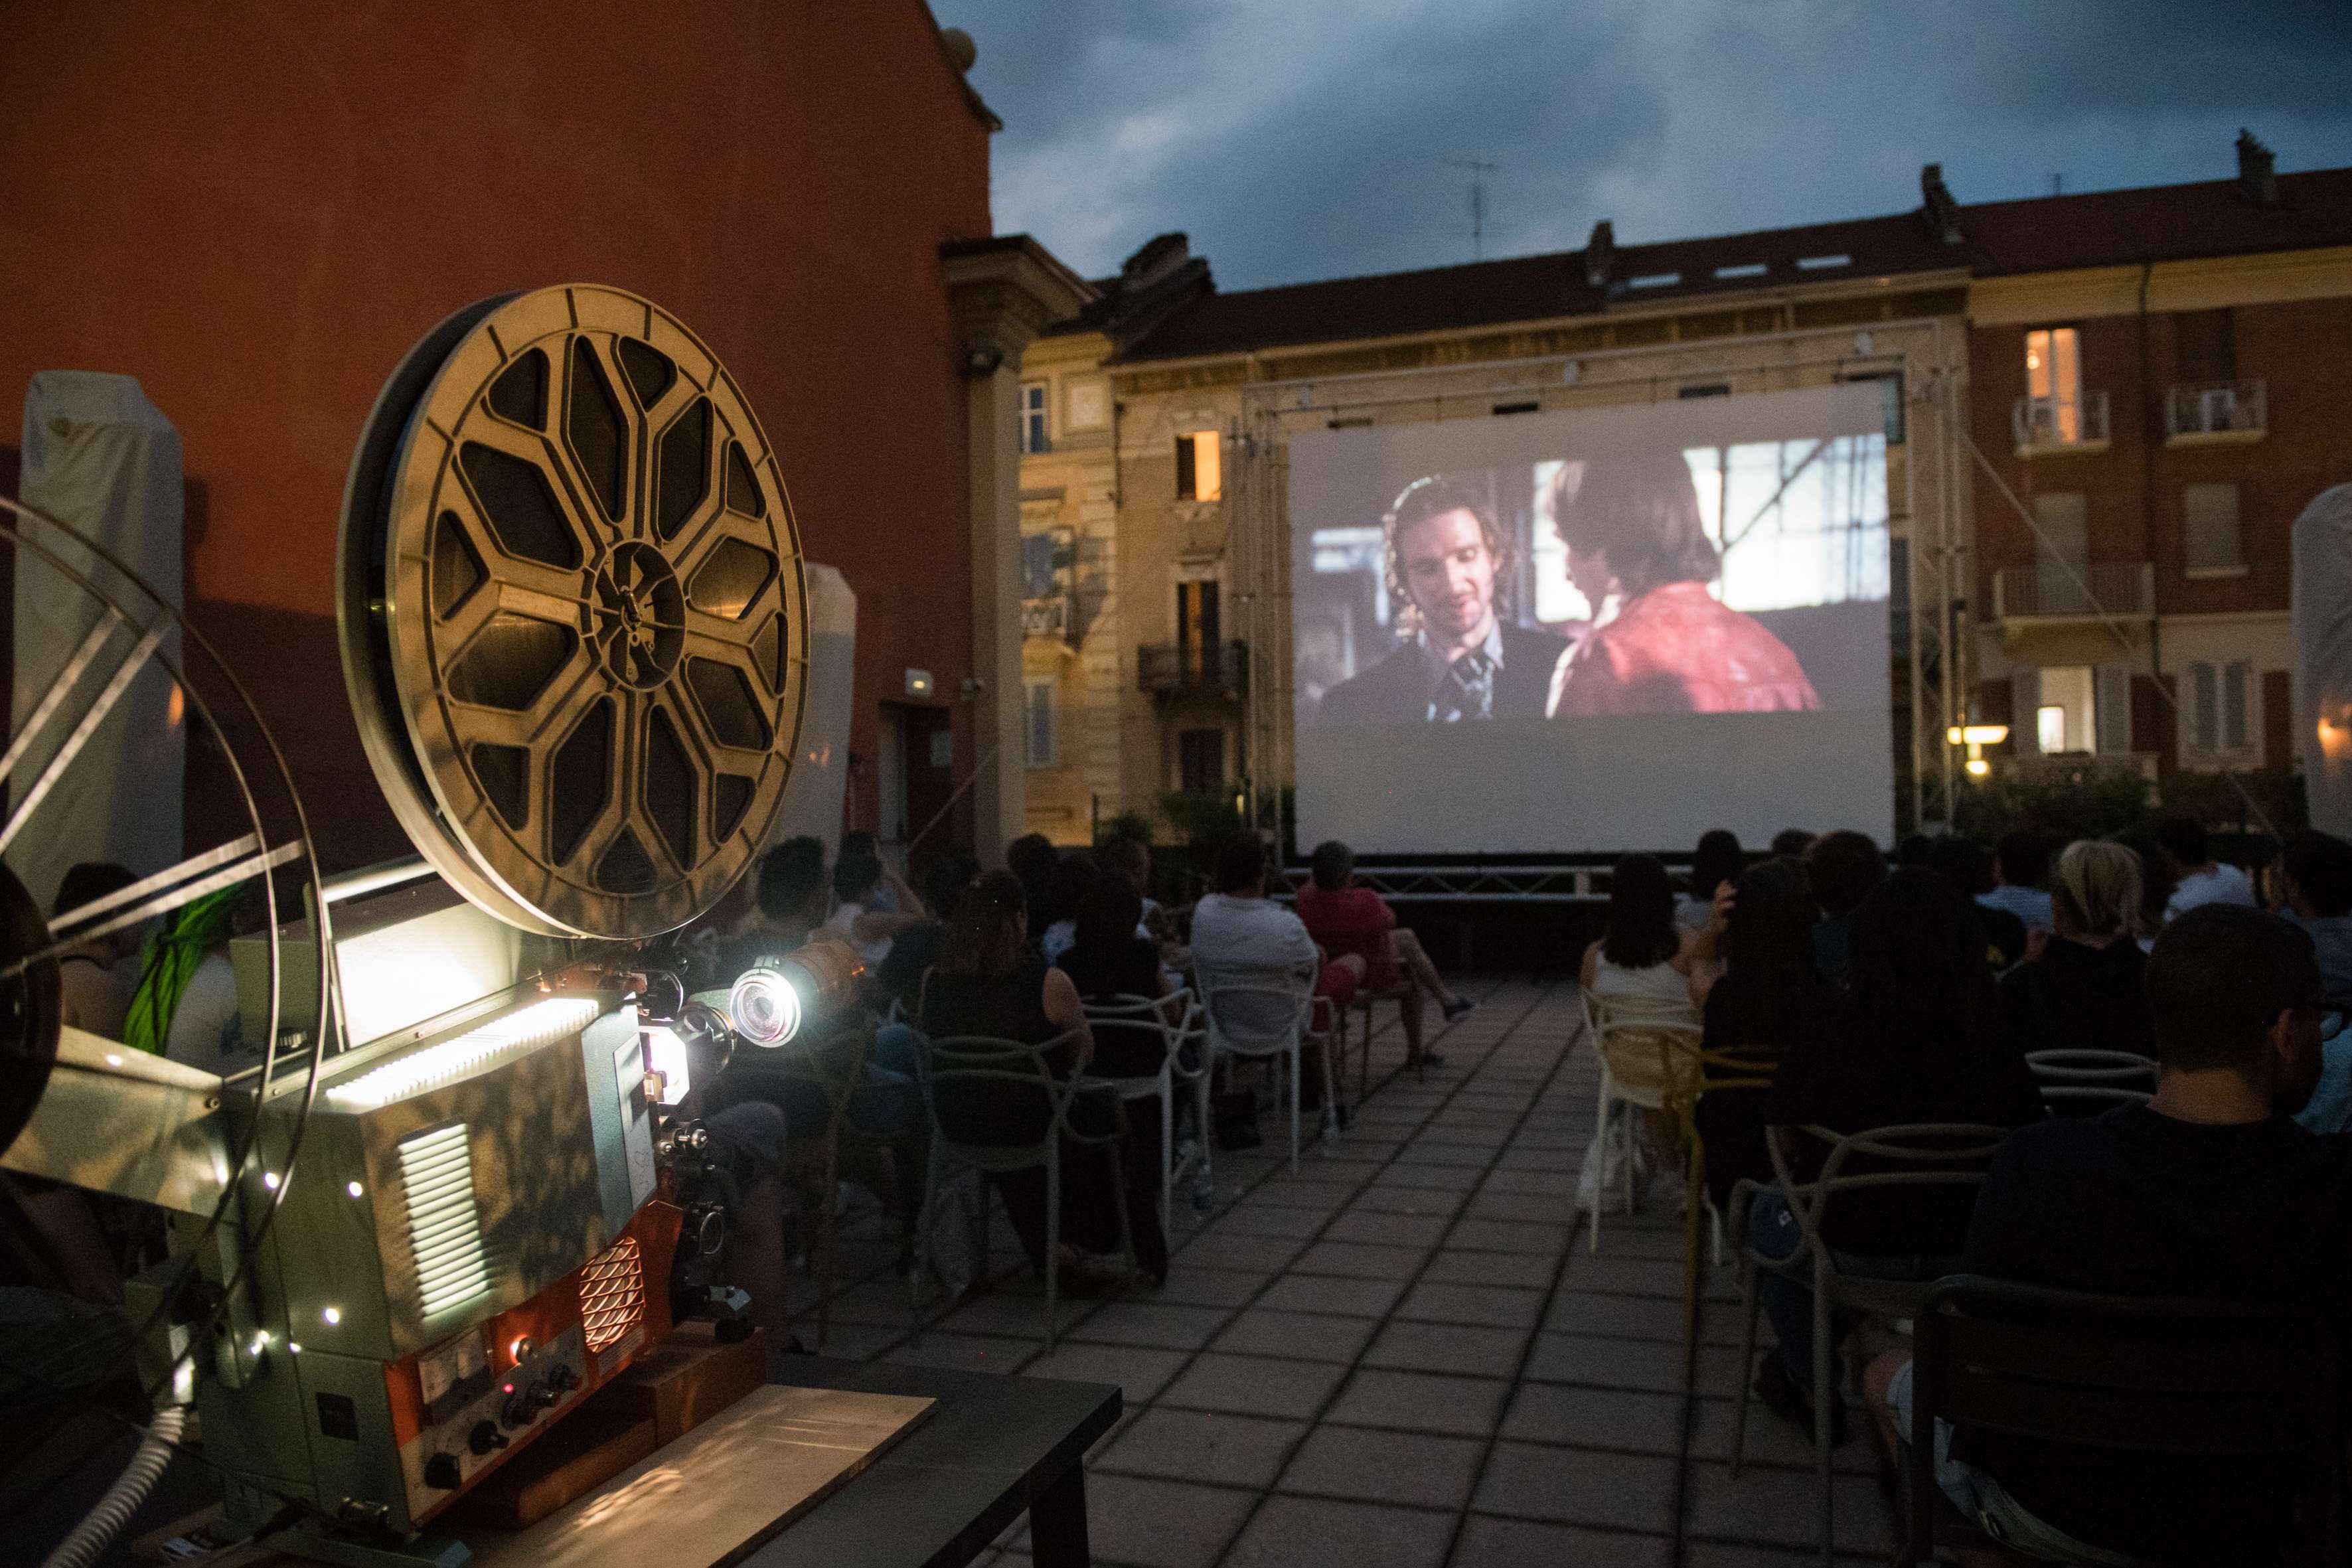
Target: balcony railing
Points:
x,y
1189,669
2118,588
2216,411
2060,424
1047,617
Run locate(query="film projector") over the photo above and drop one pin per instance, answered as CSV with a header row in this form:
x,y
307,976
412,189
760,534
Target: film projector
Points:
x,y
437,1202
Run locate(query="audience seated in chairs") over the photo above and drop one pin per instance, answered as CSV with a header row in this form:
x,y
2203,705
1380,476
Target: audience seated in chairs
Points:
x,y
1343,918
2020,863
1766,1003
2203,879
2086,988
1790,843
1840,868
1057,926
2210,1190
899,976
1968,866
2312,887
1649,960
1717,860
1921,1038
989,983
873,906
1239,934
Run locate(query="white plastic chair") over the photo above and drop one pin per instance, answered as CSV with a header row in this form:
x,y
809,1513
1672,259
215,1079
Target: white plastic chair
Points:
x,y
2071,1075
1646,1048
1261,1015
1161,1023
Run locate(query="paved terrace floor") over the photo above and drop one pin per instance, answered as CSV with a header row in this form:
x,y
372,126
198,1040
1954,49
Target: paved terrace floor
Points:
x,y
1396,1358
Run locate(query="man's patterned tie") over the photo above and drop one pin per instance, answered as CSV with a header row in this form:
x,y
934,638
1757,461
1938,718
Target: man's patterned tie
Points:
x,y
1468,689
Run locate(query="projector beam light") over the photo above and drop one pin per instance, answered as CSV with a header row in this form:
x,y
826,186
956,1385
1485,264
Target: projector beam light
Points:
x,y
764,1006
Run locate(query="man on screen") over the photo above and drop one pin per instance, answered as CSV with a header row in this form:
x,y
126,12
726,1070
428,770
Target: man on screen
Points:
x,y
1634,535
1462,662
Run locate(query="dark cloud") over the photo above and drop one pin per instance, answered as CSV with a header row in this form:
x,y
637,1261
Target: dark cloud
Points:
x,y
1311,138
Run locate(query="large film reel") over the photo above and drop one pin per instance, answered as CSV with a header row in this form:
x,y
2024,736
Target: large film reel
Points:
x,y
572,612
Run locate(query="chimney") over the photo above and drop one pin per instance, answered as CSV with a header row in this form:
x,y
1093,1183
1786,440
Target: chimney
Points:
x,y
1599,254
1941,213
2257,176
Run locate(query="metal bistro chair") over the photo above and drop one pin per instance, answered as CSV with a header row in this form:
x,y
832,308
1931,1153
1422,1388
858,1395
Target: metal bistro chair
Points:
x,y
1253,1020
1722,1070
2073,1078
1139,1027
1649,1053
978,1078
2132,1374
1926,1155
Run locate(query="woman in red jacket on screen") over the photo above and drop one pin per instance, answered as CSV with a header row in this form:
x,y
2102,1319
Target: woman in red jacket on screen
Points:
x,y
1631,523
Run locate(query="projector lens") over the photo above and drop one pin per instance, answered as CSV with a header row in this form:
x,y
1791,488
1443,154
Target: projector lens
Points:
x,y
765,1007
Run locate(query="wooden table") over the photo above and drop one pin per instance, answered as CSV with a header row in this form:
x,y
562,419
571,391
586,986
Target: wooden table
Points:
x,y
992,1448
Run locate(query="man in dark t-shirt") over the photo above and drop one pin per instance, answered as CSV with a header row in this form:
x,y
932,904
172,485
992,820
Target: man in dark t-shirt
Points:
x,y
2209,1190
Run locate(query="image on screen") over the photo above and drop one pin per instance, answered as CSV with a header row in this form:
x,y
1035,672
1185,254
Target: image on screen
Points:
x,y
1597,591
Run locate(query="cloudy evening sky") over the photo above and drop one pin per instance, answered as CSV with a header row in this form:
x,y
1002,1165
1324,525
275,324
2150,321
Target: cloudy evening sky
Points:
x,y
1304,138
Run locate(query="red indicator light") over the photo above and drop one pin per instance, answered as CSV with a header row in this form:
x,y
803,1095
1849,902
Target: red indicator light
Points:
x,y
508,1388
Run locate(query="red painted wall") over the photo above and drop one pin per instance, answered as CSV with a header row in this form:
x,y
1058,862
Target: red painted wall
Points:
x,y
257,209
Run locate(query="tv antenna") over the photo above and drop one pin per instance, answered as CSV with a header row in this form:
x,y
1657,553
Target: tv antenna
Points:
x,y
1478,173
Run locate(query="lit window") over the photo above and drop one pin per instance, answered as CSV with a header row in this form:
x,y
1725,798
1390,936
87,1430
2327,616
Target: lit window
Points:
x,y
1200,470
2053,383
2050,730
1821,263
1037,723
1033,416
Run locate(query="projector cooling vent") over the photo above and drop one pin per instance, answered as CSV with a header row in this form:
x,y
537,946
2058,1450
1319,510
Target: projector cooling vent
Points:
x,y
612,1294
437,1170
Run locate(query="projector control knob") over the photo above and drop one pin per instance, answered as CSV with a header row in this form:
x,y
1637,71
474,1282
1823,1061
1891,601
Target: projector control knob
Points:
x,y
562,1378
544,1398
486,1438
520,1409
441,1472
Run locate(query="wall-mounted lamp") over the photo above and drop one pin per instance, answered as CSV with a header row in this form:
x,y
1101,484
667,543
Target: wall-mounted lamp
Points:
x,y
1976,738
918,683
982,360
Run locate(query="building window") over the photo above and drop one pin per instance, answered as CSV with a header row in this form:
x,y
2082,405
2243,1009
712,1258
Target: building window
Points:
x,y
1197,632
2210,515
1200,473
2220,698
1037,723
1201,761
2053,383
1032,417
2062,527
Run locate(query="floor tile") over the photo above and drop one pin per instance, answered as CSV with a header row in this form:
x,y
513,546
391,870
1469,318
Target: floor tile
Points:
x,y
1158,1524
1254,1386
1779,1507
1450,1348
1330,1293
1413,1467
1624,1276
1509,1180
1595,1417
1454,1178
1388,1229
1304,1336
1140,1373
1265,1254
1421,1401
1541,1208
1772,1441
1527,1271
1306,1194
1523,1543
1377,1199
1189,1286
1253,1218
1423,1153
1609,1364
1506,1236
1360,1262
1151,1323
1292,1530
1580,1486
1202,1445
1434,1301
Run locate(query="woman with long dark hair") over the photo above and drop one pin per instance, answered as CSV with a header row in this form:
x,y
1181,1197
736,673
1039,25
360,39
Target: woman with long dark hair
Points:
x,y
1768,1002
1922,1038
1643,953
988,981
1636,540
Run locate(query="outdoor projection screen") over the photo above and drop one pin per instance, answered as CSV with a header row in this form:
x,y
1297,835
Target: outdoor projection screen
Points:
x,y
1688,625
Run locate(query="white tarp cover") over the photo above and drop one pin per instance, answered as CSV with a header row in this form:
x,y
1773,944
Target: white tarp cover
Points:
x,y
2322,597
103,460
812,803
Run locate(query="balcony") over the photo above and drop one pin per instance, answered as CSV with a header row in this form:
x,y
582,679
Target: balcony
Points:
x,y
1219,671
2123,590
1046,617
2216,413
2046,425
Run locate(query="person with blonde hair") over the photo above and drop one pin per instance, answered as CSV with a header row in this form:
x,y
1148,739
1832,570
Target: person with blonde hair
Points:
x,y
2086,988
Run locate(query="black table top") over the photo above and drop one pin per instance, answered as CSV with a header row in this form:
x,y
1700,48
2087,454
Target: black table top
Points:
x,y
941,1493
